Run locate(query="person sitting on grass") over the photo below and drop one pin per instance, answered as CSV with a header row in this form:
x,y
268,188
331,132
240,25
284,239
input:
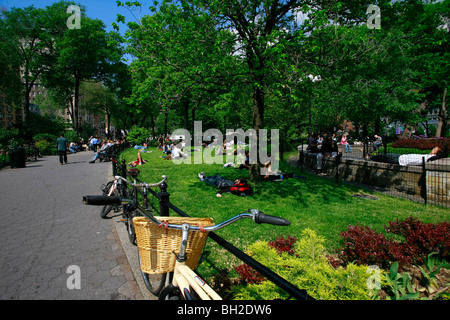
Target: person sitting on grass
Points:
x,y
177,153
271,175
238,187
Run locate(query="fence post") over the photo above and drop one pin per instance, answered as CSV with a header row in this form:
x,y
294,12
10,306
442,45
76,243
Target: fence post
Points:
x,y
124,168
365,147
163,197
300,158
114,168
337,160
424,181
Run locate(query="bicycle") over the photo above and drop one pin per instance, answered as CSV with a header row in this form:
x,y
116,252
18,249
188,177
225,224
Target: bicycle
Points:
x,y
118,187
183,283
129,211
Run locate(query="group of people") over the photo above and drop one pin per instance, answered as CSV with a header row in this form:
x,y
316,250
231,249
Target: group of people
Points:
x,y
100,148
326,146
173,150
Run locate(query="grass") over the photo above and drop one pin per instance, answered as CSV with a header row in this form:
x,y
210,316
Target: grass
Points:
x,y
311,202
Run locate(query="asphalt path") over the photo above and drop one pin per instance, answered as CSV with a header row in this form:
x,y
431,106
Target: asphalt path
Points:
x,y
52,247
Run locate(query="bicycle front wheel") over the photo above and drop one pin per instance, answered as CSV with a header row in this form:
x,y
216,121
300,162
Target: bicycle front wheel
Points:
x,y
154,283
171,292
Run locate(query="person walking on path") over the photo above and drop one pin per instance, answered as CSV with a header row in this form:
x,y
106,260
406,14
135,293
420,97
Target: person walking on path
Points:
x,y
62,145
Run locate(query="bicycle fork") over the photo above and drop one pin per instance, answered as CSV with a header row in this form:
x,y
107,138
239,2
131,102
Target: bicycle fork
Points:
x,y
186,279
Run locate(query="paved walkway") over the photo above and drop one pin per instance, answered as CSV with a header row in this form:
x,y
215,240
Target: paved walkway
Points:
x,y
45,231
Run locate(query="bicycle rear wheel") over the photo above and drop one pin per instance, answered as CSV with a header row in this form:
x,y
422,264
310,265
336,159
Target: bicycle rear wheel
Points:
x,y
119,191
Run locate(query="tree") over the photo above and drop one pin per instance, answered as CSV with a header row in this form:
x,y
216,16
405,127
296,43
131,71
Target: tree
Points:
x,y
100,100
25,44
80,54
181,58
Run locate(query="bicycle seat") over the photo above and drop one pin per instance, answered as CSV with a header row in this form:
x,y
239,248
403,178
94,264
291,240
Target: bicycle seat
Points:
x,y
133,172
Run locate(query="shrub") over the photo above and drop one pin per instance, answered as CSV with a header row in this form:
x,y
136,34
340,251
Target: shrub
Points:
x,y
362,245
422,144
138,135
45,136
307,268
45,147
282,244
4,160
422,239
7,136
248,275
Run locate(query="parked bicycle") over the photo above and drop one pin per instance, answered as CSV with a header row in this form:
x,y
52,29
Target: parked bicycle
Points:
x,y
159,237
119,187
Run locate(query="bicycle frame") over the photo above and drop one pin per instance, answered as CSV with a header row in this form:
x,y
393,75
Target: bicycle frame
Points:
x,y
185,278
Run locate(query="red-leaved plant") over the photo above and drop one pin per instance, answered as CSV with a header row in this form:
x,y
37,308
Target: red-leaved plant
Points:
x,y
362,245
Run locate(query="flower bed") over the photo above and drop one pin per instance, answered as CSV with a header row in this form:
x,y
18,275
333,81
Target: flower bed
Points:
x,y
370,265
422,144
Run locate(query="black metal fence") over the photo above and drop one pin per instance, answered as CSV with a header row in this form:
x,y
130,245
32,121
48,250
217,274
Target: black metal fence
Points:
x,y
403,168
163,207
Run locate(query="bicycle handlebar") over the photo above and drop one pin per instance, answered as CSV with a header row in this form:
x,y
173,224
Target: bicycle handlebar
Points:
x,y
101,200
142,184
261,217
254,214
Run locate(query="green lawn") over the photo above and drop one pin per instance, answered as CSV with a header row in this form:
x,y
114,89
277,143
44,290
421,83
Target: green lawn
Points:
x,y
311,202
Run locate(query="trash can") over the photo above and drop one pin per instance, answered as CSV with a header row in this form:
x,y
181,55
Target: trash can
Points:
x,y
17,157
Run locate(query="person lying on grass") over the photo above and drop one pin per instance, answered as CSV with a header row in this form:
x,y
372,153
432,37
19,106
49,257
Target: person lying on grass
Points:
x,y
238,187
139,160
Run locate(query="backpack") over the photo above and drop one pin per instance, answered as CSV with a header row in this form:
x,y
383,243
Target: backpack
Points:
x,y
242,189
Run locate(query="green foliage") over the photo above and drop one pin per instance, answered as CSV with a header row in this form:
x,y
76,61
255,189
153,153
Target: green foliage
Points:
x,y
71,135
45,147
308,268
8,135
45,136
46,143
138,135
432,266
36,124
399,285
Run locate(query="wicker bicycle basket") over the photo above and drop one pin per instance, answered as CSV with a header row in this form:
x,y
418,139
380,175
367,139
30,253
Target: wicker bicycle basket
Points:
x,y
157,245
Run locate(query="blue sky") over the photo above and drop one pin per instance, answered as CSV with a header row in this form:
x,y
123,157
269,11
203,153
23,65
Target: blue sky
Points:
x,y
105,10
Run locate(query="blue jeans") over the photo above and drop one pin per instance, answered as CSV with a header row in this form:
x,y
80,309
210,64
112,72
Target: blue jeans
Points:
x,y
218,181
347,148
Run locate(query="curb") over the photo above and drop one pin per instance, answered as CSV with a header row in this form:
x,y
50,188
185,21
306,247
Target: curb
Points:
x,y
131,252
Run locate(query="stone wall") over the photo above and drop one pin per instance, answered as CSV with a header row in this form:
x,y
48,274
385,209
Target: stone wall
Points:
x,y
403,181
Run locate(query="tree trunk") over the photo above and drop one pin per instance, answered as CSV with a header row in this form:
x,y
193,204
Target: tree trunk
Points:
x,y
27,102
441,127
108,124
258,123
152,123
166,116
76,104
